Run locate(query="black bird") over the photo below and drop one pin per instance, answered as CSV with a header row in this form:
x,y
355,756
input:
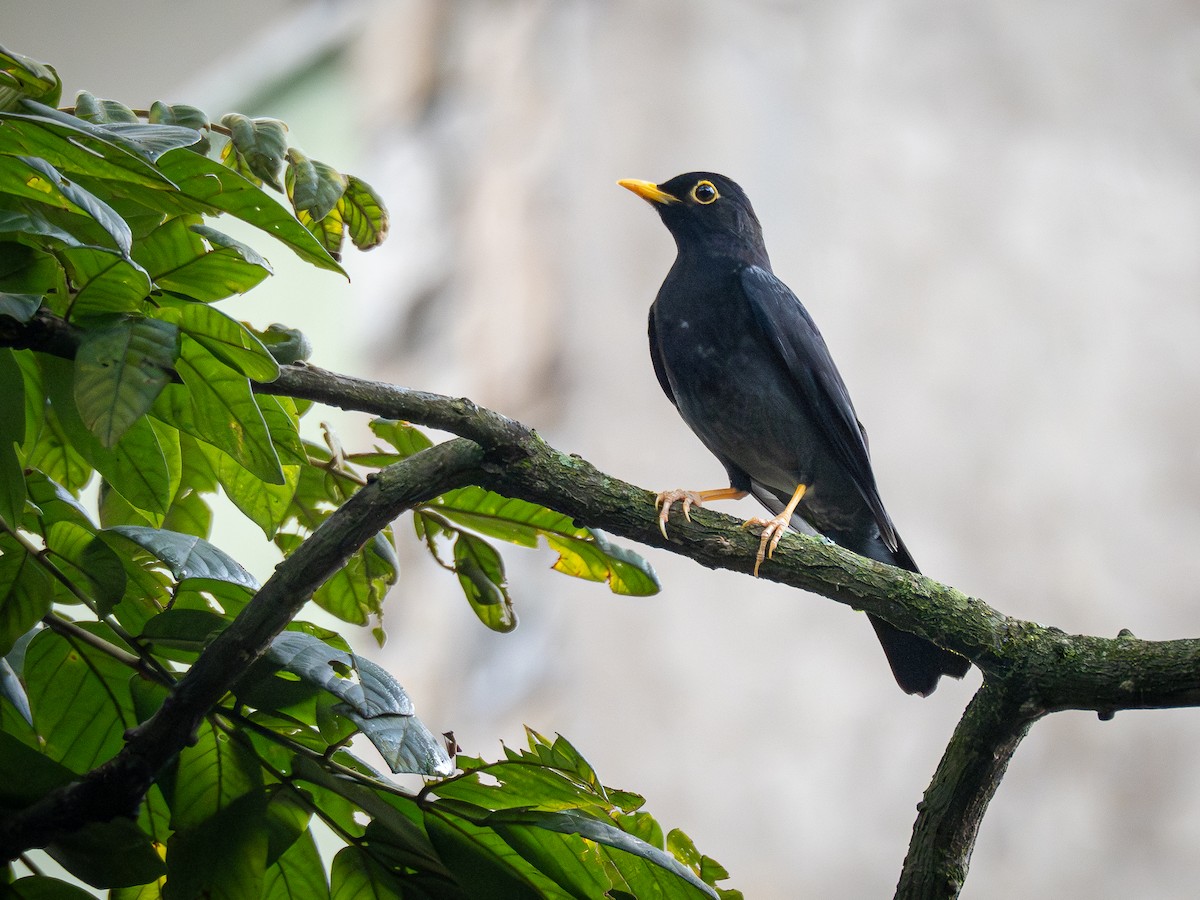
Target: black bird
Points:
x,y
741,359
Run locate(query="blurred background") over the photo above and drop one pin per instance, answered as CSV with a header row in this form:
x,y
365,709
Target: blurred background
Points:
x,y
992,210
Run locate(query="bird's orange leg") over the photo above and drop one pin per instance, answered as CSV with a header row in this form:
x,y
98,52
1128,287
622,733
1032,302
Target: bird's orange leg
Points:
x,y
774,528
664,501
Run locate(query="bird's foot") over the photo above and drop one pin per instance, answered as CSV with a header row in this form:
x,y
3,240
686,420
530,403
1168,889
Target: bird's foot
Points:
x,y
772,533
665,500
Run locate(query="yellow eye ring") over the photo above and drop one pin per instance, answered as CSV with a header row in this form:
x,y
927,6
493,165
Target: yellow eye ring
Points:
x,y
705,192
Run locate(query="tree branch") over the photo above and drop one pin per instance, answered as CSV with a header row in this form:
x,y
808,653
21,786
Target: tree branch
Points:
x,y
949,817
1050,669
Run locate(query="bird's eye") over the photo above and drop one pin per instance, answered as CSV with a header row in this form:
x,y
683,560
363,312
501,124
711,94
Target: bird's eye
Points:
x,y
704,192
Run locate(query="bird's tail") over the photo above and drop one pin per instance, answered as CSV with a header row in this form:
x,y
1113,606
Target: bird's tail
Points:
x,y
916,663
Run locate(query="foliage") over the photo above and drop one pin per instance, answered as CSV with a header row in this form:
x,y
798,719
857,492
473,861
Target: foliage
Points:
x,y
105,224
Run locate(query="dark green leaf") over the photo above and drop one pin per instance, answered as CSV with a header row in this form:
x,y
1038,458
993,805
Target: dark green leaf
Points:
x,y
286,345
261,143
356,876
183,115
25,592
224,857
647,870
119,371
12,436
481,576
187,556
373,699
486,867
102,112
26,273
109,854
298,874
88,563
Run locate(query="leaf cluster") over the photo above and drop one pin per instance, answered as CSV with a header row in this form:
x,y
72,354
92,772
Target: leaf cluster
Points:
x,y
107,228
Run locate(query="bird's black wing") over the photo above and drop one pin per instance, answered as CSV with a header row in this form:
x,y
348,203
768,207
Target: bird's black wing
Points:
x,y
792,334
656,360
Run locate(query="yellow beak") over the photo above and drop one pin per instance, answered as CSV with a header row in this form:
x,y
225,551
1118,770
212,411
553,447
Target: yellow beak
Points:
x,y
647,191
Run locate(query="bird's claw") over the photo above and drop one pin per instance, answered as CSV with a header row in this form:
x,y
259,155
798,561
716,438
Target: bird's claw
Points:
x,y
665,500
772,534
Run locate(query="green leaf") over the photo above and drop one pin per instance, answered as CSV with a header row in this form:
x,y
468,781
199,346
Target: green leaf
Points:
x,y
363,212
148,142
137,466
286,345
224,857
187,556
109,854
298,874
25,78
19,307
404,437
481,576
42,887
104,281
583,553
225,414
12,436
647,870
355,875
212,774
25,592
119,371
183,115
225,338
64,676
51,453
102,112
486,867
355,592
330,231
312,186
210,182
37,180
266,505
26,276
261,144
89,564
198,262
376,703
72,145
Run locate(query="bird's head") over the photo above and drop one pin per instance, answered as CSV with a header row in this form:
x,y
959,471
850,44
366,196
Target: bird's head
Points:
x,y
706,213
